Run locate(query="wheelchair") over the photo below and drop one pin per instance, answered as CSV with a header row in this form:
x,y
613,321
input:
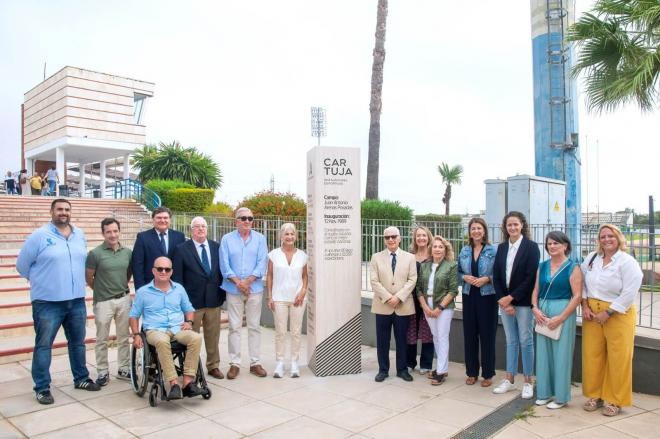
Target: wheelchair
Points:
x,y
146,368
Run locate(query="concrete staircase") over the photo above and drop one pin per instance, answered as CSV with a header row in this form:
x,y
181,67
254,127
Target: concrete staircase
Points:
x,y
20,216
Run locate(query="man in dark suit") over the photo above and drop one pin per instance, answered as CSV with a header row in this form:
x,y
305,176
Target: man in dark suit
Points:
x,y
196,264
152,244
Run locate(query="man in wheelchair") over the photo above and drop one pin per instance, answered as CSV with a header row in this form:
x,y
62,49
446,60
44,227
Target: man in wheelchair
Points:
x,y
167,315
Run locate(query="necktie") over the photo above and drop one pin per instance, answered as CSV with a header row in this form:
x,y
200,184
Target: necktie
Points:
x,y
393,262
163,247
205,260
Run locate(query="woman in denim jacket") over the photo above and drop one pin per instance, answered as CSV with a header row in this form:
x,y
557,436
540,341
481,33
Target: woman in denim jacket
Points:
x,y
475,271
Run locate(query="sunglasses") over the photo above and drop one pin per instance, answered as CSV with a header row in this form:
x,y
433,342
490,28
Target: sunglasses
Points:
x,y
391,237
161,269
245,218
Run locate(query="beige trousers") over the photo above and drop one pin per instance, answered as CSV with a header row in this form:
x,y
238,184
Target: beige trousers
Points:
x,y
237,305
209,319
104,312
161,341
286,312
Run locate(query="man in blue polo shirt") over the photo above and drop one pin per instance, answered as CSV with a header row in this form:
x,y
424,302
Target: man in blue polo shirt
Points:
x,y
167,315
53,260
243,263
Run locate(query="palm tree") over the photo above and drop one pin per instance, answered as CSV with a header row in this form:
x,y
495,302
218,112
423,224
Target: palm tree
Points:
x,y
173,161
376,102
450,176
620,53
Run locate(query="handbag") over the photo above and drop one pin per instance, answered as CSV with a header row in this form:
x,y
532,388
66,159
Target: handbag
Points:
x,y
543,329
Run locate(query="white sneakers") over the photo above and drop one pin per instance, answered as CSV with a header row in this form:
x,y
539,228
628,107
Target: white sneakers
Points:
x,y
503,387
279,370
555,405
295,372
506,386
542,401
527,391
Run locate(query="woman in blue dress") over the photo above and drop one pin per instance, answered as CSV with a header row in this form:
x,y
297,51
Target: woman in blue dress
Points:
x,y
556,295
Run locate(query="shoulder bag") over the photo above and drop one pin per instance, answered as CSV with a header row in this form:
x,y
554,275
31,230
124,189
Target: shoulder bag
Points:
x,y
543,329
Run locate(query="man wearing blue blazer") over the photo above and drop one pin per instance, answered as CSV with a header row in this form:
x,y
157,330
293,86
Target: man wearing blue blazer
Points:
x,y
152,244
196,266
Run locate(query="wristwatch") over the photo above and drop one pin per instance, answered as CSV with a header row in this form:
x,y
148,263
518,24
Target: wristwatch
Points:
x,y
188,321
442,308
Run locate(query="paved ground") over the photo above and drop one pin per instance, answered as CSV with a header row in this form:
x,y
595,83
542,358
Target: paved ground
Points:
x,y
344,406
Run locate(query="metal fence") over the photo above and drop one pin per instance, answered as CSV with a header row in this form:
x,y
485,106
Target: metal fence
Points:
x,y
584,238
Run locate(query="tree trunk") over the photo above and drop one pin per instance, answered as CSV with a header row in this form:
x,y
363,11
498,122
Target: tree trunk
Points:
x,y
446,199
375,104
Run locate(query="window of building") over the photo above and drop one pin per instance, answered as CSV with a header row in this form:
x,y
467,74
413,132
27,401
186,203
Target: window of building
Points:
x,y
138,107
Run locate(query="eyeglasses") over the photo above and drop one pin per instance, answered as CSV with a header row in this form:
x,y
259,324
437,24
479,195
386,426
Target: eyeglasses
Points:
x,y
245,218
388,237
199,226
161,269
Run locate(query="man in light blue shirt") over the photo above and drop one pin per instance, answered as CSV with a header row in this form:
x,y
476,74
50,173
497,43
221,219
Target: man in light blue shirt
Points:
x,y
53,260
167,315
243,263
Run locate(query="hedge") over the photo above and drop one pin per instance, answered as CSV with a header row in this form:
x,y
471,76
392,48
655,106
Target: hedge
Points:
x,y
385,209
189,200
221,209
434,217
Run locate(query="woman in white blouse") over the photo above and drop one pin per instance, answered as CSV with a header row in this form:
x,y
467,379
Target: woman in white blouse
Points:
x,y
612,279
286,288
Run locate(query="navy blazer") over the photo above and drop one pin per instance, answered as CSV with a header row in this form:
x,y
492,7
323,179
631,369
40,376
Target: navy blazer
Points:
x,y
145,251
203,289
523,272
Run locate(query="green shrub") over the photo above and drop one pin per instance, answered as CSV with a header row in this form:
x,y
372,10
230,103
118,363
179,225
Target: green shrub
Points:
x,y
384,209
164,187
189,200
266,203
437,218
221,209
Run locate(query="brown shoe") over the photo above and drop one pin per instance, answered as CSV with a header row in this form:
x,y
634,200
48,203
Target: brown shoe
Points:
x,y
486,382
233,372
258,371
216,373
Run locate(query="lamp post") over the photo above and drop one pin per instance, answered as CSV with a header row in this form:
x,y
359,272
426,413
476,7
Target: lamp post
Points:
x,y
319,123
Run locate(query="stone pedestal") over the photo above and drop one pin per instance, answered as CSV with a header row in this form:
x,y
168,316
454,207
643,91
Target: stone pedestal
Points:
x,y
334,249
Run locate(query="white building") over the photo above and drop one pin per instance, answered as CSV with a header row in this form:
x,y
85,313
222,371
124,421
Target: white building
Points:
x,y
85,118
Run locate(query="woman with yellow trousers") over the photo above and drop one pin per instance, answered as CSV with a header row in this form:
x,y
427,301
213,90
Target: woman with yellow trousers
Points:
x,y
612,279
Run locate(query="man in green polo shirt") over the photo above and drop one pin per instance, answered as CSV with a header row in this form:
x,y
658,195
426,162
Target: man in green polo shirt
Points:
x,y
108,270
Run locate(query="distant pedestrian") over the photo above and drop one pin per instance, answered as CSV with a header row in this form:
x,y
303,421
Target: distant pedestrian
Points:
x,y
35,184
53,179
107,271
53,260
24,183
10,184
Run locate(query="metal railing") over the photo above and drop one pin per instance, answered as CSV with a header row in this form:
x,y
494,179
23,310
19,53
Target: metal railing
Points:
x,y
127,190
584,240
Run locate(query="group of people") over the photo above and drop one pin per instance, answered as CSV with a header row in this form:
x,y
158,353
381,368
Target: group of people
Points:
x,y
38,184
180,285
414,296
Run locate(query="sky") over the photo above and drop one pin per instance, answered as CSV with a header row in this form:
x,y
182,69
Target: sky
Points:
x,y
236,80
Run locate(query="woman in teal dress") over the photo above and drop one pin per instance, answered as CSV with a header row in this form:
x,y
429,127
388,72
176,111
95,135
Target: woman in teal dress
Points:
x,y
557,293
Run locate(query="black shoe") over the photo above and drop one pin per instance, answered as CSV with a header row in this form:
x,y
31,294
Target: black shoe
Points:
x,y
102,379
88,384
404,375
123,374
192,390
175,392
380,377
45,397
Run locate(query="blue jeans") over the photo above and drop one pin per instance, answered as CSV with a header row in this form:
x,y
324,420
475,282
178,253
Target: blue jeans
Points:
x,y
51,187
519,330
48,318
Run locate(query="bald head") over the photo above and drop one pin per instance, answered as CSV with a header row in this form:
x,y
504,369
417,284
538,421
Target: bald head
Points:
x,y
162,270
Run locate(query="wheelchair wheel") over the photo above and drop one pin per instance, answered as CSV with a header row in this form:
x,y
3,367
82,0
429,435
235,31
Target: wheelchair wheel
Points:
x,y
140,361
207,393
153,395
